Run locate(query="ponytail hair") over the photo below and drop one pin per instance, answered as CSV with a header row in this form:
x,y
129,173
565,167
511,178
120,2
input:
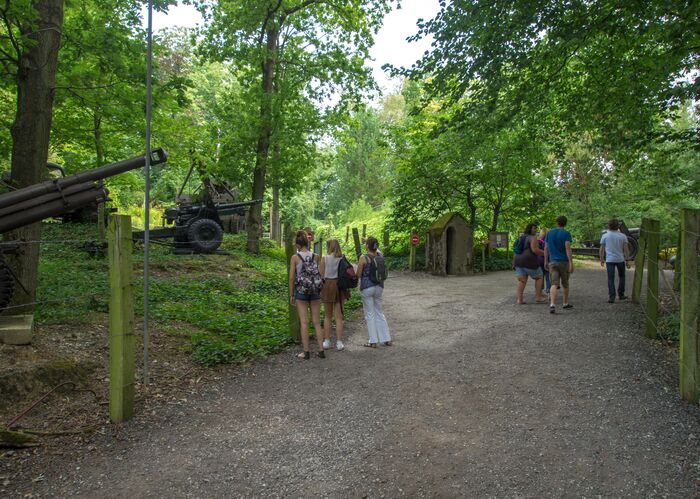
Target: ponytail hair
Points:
x,y
372,243
301,240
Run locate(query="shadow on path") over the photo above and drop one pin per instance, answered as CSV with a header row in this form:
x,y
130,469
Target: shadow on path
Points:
x,y
478,397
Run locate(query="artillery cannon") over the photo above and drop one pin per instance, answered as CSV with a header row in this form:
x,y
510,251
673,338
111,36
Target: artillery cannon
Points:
x,y
197,227
53,198
591,247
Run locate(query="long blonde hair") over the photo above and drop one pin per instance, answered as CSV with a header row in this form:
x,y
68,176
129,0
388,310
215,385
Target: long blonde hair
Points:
x,y
333,248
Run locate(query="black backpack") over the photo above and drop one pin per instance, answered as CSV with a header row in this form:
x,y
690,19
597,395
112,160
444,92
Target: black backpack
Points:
x,y
520,244
347,277
377,270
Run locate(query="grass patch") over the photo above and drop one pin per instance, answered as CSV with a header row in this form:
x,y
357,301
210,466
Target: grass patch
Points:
x,y
234,306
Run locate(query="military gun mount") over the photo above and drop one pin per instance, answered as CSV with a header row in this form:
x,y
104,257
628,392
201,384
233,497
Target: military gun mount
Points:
x,y
591,247
198,227
54,198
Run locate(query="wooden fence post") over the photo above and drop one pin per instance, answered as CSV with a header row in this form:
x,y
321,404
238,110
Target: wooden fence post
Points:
x,y
639,260
412,253
347,234
652,305
364,232
385,242
483,258
677,271
356,239
688,264
122,340
293,315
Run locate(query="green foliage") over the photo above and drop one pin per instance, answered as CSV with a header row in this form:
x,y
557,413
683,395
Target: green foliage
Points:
x,y
362,165
496,259
74,285
235,307
669,326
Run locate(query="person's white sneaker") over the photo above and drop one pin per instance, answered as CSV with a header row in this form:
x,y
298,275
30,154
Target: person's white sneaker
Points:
x,y
339,345
326,344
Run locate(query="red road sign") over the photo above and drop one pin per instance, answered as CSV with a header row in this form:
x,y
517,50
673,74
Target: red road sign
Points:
x,y
415,239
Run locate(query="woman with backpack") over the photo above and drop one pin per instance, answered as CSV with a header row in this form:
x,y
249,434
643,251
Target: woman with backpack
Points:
x,y
527,264
372,274
305,284
332,296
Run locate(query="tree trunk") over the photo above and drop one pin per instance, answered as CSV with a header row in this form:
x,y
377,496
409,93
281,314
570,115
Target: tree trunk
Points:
x,y
30,131
254,217
275,222
472,210
97,131
496,215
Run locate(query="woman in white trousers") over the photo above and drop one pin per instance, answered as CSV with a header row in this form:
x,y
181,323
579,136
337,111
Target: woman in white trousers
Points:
x,y
371,292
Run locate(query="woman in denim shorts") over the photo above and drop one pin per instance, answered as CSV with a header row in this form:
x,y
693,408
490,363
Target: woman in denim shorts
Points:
x,y
527,265
305,301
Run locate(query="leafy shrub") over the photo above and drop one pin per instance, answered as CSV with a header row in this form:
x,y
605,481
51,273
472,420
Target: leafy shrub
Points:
x,y
498,259
236,305
669,326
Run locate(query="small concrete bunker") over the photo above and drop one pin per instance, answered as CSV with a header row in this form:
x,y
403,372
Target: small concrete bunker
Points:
x,y
449,246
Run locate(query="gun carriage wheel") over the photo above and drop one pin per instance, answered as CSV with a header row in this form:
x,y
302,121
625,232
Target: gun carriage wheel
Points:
x,y
7,283
205,235
633,247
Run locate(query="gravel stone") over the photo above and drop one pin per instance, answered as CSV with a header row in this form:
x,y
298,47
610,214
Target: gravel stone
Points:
x,y
477,397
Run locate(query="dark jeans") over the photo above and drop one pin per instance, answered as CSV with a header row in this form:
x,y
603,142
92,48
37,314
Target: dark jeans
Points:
x,y
620,266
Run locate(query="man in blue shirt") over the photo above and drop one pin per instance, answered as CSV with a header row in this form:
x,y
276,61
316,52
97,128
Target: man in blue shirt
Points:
x,y
614,253
557,258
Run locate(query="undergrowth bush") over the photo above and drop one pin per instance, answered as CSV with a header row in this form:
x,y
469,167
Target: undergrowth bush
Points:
x,y
236,304
669,326
497,259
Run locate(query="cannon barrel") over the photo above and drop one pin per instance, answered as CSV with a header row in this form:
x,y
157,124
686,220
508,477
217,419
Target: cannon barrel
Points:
x,y
55,207
230,208
33,191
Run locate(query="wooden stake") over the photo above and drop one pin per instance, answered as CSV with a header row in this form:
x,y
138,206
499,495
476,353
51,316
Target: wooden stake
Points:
x,y
293,315
689,370
483,258
639,260
347,234
385,242
412,259
652,302
356,239
121,320
677,272
364,232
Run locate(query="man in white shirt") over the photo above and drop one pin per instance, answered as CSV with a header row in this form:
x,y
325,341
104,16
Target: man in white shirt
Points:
x,y
614,253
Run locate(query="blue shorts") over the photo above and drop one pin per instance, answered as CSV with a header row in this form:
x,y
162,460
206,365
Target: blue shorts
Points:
x,y
305,297
523,271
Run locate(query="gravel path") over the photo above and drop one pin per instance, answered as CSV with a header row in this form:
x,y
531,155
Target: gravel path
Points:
x,y
478,397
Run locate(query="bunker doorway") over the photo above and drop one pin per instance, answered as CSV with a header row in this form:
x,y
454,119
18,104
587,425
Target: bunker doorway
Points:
x,y
450,251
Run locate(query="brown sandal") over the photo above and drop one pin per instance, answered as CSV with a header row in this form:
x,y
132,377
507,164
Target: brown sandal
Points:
x,y
369,345
388,343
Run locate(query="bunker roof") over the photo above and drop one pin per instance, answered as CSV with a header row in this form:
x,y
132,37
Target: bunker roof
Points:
x,y
439,225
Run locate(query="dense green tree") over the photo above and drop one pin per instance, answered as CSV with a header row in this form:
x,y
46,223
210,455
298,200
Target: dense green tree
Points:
x,y
606,67
29,44
324,43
